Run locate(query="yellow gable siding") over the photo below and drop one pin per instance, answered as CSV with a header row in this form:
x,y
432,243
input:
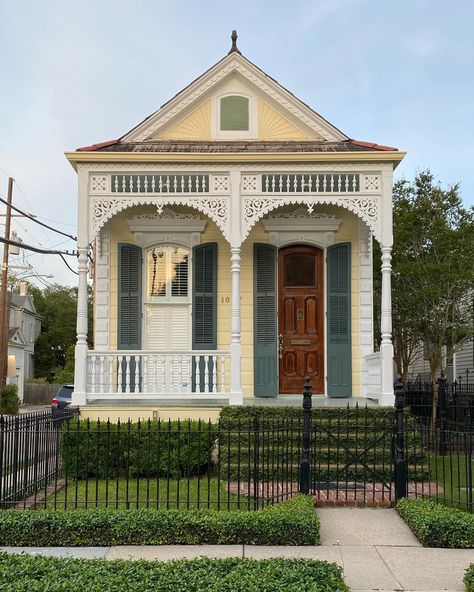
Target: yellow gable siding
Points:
x,y
273,126
196,126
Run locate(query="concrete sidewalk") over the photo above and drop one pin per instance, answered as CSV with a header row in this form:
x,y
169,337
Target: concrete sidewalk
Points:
x,y
376,549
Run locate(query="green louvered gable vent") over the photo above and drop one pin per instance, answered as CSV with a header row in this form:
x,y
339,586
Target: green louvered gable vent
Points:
x,y
339,320
265,321
234,113
130,297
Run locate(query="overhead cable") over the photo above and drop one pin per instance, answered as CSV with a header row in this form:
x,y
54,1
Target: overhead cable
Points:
x,y
37,249
74,238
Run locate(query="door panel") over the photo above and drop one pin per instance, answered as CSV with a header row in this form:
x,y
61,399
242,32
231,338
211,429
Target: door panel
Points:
x,y
301,327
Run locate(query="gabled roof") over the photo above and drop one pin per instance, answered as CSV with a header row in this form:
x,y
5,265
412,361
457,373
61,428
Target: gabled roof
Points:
x,y
152,134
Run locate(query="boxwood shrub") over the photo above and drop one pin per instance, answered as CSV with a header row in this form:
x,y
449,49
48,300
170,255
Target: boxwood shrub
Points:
x,y
436,525
34,573
469,578
293,522
92,449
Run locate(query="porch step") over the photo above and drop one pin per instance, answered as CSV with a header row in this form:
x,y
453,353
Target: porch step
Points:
x,y
158,403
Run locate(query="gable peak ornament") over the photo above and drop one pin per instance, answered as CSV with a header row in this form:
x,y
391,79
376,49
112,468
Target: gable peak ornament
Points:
x,y
234,47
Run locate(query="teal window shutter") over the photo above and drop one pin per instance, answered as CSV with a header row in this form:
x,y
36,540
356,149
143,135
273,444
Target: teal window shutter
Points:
x,y
265,321
129,297
204,303
339,361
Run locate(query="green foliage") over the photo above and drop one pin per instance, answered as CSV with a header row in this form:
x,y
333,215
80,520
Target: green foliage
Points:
x,y
57,306
34,573
65,375
9,401
469,578
349,443
293,522
433,271
436,525
40,380
101,449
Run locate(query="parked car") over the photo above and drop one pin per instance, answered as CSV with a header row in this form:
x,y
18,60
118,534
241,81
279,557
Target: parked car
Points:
x,y
63,399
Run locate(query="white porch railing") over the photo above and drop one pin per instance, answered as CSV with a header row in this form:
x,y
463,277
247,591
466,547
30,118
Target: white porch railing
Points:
x,y
374,375
155,375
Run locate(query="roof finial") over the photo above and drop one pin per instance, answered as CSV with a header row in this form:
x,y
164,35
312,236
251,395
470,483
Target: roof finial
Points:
x,y
234,42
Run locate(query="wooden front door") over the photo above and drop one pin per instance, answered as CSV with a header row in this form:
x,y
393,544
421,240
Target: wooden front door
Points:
x,y
300,318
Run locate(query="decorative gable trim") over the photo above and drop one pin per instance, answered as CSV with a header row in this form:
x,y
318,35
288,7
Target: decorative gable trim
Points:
x,y
230,64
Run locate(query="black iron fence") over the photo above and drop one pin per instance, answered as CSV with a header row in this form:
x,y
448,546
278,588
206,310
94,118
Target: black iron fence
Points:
x,y
29,453
251,458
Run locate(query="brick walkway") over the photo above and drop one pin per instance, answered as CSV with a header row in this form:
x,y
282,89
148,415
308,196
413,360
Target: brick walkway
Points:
x,y
376,495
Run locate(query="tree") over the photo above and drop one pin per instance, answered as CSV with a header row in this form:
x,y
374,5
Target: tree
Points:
x,y
433,273
57,306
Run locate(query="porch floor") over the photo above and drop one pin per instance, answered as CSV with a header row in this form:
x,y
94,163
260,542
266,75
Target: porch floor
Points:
x,y
280,401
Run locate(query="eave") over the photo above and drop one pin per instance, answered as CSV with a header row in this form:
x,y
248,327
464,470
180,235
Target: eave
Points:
x,y
394,156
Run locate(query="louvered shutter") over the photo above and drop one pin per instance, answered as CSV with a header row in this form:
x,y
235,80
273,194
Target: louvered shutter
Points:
x,y
339,365
204,302
265,321
130,297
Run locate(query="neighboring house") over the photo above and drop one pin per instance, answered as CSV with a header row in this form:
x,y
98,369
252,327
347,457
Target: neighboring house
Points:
x,y
25,327
232,236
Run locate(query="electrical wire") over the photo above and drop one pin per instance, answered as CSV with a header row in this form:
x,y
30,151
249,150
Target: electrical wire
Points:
x,y
37,249
74,238
67,264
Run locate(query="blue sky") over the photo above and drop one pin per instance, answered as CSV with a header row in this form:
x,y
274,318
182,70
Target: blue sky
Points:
x,y
399,73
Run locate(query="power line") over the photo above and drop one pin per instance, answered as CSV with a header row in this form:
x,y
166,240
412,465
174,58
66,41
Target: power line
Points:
x,y
74,238
37,249
67,265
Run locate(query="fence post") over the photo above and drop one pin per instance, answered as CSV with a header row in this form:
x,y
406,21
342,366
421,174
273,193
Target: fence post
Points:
x,y
305,477
400,462
443,414
256,461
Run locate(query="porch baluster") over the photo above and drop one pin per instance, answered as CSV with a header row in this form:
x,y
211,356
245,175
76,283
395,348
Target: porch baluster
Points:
x,y
127,374
111,378
214,373
197,361
101,374
137,375
222,385
119,374
93,374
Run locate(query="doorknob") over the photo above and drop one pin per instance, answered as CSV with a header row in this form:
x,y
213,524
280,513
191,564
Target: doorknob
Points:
x,y
280,345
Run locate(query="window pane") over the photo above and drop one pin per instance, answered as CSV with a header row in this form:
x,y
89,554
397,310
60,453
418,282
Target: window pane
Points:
x,y
300,270
234,113
168,270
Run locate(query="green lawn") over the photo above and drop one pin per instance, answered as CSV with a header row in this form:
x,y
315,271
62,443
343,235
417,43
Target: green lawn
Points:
x,y
451,474
161,494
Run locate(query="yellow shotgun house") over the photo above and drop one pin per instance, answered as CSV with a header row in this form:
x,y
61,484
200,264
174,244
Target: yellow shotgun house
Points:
x,y
231,236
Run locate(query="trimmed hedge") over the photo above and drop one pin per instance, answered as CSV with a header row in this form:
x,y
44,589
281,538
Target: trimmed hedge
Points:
x,y
27,573
353,444
293,522
9,401
92,449
469,578
436,525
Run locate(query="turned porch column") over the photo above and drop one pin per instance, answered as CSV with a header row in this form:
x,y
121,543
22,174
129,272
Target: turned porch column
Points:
x,y
80,368
386,346
387,396
236,396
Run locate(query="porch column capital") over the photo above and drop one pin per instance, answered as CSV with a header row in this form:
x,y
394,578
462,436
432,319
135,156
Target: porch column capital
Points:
x,y
236,397
386,346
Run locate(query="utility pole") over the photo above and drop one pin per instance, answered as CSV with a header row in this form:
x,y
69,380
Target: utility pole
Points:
x,y
4,304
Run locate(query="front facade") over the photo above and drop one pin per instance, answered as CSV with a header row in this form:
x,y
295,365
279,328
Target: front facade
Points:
x,y
231,234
